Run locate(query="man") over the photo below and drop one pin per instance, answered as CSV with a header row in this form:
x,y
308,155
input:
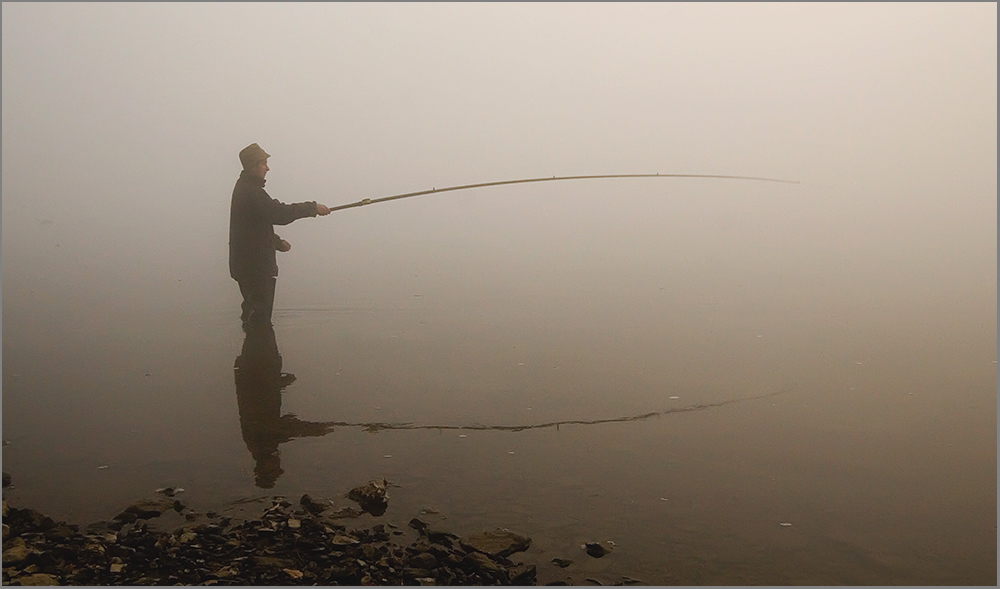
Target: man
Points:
x,y
252,241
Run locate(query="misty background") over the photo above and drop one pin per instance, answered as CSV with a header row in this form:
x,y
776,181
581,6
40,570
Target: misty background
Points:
x,y
121,128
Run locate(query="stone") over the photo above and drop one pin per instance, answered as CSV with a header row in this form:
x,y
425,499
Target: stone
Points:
x,y
561,562
6,480
16,551
148,508
311,505
38,579
482,563
424,560
373,497
499,542
523,574
595,549
235,551
344,512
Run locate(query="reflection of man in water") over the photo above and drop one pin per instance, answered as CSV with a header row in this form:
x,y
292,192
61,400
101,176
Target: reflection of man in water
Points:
x,y
259,384
252,241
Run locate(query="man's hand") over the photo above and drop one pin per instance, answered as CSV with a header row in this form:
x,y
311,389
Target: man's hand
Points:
x,y
283,246
322,210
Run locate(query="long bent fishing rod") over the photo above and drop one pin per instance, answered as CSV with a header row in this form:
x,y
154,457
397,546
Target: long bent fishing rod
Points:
x,y
370,201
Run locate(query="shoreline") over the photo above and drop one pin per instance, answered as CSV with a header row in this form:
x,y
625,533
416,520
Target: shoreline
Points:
x,y
273,542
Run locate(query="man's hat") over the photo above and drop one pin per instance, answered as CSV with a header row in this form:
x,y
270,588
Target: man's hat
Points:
x,y
251,154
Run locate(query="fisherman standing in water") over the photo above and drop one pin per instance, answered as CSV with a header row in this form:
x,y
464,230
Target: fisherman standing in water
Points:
x,y
252,241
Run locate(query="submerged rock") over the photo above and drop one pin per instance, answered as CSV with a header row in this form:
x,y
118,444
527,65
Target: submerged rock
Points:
x,y
499,542
595,549
149,508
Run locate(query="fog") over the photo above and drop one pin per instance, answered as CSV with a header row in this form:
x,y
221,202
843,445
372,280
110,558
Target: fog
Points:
x,y
122,124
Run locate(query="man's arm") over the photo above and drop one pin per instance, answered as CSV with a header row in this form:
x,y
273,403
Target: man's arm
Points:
x,y
280,244
279,213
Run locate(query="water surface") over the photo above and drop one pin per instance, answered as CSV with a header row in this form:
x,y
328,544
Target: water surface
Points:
x,y
875,354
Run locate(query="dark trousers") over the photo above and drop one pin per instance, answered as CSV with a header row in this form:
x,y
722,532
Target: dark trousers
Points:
x,y
258,299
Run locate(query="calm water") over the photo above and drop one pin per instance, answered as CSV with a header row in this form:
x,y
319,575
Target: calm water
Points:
x,y
880,449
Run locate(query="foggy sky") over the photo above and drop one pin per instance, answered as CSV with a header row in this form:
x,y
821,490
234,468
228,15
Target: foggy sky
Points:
x,y
122,123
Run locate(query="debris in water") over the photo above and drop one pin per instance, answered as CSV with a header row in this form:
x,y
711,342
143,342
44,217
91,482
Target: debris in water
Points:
x,y
511,453
462,436
675,397
102,467
785,525
664,499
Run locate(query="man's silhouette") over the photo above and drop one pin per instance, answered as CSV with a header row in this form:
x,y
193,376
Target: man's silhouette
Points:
x,y
259,384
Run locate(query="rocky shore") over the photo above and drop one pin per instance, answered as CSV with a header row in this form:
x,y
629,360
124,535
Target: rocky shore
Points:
x,y
279,543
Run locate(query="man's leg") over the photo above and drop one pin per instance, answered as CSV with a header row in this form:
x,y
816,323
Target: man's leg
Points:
x,y
246,306
258,300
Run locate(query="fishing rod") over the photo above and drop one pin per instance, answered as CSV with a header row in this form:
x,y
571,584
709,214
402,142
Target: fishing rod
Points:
x,y
371,201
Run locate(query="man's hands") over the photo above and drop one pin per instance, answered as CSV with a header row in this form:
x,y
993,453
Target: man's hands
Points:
x,y
322,210
283,246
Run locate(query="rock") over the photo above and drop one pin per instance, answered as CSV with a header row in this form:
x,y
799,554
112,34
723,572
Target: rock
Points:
x,y
499,542
6,480
312,506
149,508
344,540
424,560
432,535
38,579
595,549
264,551
169,491
482,563
372,497
16,551
523,574
344,512
561,562
270,561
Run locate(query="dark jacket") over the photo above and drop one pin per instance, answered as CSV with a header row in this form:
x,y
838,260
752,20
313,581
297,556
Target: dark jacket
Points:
x,y
252,217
